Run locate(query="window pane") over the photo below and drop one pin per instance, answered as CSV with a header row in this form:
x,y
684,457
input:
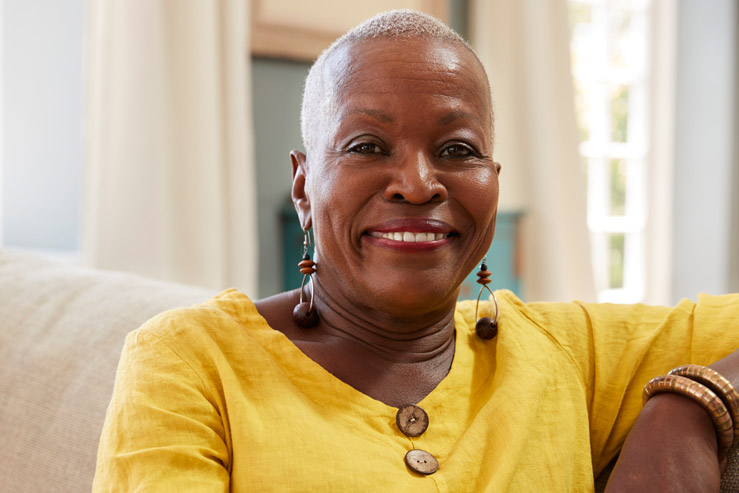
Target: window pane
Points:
x,y
619,39
609,49
616,245
619,96
583,35
582,110
579,13
618,170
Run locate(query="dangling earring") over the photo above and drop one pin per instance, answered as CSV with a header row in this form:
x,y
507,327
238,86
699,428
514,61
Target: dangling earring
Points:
x,y
486,327
305,315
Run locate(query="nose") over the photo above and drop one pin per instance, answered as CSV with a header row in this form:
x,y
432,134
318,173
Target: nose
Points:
x,y
415,180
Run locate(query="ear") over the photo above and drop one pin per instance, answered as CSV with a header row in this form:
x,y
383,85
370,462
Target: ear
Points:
x,y
299,194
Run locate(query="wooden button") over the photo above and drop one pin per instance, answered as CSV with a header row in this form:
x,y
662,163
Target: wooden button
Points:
x,y
421,462
412,420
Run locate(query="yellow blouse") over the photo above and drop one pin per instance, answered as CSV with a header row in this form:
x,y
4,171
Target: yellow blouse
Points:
x,y
211,398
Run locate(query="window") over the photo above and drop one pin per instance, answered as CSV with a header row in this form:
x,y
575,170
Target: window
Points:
x,y
610,47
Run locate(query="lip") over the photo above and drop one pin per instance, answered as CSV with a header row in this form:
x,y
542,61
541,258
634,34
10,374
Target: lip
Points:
x,y
410,225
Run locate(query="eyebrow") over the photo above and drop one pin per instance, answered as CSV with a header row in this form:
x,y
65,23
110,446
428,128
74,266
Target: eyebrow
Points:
x,y
446,119
457,115
377,114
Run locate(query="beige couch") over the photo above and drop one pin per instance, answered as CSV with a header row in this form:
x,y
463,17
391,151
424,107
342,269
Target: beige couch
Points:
x,y
61,332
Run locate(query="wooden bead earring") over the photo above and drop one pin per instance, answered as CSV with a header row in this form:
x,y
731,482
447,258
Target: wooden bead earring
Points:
x,y
305,315
486,327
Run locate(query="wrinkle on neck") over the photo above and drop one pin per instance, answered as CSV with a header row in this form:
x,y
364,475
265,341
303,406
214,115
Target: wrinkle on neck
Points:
x,y
396,340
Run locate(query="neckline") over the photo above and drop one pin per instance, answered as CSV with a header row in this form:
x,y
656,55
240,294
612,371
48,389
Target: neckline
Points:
x,y
308,372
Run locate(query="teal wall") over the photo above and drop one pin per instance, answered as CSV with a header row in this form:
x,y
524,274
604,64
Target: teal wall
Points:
x,y
277,87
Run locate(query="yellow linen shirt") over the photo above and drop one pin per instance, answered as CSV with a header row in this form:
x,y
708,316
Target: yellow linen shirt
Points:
x,y
211,398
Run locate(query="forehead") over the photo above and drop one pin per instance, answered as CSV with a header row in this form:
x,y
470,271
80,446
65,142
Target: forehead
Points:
x,y
416,66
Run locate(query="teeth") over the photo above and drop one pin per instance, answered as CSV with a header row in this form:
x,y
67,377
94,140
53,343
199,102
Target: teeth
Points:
x,y
407,236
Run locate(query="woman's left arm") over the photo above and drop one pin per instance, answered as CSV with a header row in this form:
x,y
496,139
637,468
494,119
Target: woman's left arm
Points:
x,y
673,445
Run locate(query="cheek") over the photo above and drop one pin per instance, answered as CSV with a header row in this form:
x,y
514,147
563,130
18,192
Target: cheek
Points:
x,y
479,194
327,207
335,201
480,201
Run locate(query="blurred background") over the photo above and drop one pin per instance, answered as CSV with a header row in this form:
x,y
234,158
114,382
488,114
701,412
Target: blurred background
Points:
x,y
153,136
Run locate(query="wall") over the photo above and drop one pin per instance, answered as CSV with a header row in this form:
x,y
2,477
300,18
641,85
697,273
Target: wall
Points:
x,y
734,245
42,158
704,223
277,87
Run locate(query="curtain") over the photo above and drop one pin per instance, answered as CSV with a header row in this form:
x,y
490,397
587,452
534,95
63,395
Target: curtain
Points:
x,y
525,48
170,189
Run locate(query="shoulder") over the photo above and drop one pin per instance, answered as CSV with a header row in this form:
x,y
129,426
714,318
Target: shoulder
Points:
x,y
563,319
228,315
511,309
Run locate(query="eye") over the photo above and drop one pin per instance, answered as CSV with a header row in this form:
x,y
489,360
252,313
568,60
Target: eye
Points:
x,y
458,150
366,148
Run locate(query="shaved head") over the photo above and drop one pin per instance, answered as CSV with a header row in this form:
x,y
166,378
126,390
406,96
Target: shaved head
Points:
x,y
318,94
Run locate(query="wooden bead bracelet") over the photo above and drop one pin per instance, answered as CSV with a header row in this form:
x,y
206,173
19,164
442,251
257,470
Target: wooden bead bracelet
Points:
x,y
720,386
722,421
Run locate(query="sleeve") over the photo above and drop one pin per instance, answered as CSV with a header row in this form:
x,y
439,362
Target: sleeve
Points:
x,y
161,432
627,345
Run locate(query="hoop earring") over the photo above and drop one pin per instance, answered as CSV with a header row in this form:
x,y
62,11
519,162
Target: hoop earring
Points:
x,y
305,315
486,327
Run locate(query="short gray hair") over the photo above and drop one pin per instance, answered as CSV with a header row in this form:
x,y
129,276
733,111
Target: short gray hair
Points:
x,y
403,23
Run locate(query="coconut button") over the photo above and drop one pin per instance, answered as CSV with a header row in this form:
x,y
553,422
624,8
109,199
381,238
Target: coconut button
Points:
x,y
412,420
421,462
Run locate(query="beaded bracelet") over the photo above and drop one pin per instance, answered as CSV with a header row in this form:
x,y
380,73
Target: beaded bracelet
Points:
x,y
720,386
701,394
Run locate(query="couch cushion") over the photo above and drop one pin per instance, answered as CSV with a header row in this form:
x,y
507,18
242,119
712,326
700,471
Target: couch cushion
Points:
x,y
62,328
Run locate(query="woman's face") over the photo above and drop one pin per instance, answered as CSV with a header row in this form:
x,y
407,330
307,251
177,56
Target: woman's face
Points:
x,y
401,189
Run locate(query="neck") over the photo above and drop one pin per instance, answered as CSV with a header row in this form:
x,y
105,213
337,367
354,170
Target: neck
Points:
x,y
426,337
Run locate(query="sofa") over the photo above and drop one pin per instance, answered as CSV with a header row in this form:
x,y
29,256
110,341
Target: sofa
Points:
x,y
62,329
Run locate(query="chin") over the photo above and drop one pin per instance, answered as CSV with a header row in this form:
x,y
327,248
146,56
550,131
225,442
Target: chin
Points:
x,y
407,299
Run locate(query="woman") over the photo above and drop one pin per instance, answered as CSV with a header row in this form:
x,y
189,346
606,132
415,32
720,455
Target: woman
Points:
x,y
372,376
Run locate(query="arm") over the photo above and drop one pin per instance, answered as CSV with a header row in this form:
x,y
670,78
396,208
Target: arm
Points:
x,y
672,446
163,430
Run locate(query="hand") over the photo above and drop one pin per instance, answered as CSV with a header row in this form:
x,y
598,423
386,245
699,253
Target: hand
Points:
x,y
672,447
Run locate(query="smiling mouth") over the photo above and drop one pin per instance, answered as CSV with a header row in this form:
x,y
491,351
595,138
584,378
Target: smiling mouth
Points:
x,y
410,236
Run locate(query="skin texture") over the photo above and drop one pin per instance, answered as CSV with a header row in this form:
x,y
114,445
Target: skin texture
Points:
x,y
409,147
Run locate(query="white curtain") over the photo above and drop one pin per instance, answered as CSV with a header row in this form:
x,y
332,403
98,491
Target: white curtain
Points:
x,y
524,45
170,189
